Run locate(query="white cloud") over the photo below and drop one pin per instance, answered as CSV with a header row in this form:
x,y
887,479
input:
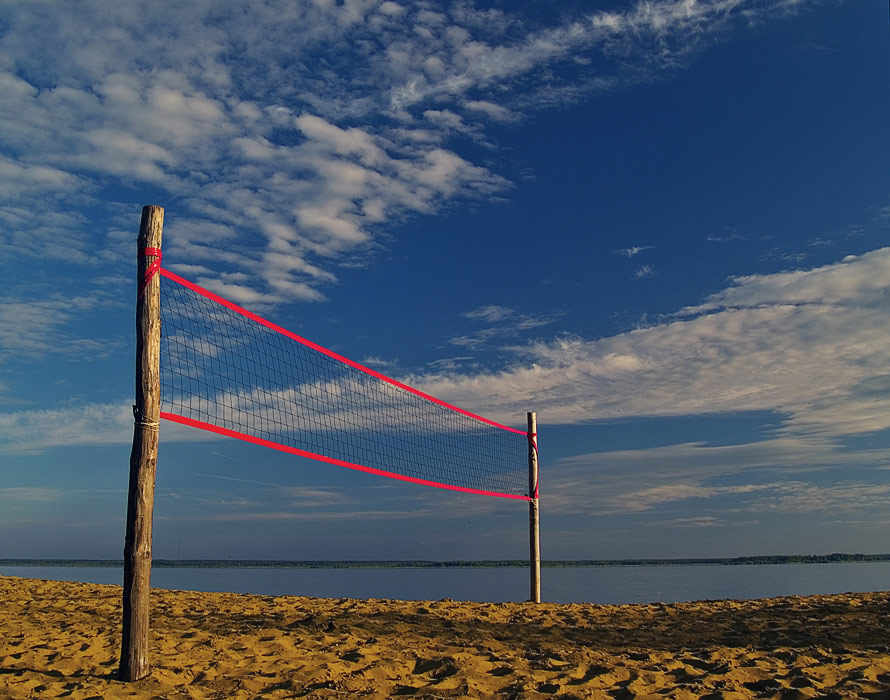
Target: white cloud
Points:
x,y
634,250
865,284
305,497
17,179
489,313
33,328
809,345
694,475
812,344
700,522
510,324
803,497
646,498
93,424
491,110
35,431
317,516
391,8
30,494
306,124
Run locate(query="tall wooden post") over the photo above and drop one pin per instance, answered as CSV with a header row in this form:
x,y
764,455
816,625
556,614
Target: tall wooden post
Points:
x,y
534,535
144,455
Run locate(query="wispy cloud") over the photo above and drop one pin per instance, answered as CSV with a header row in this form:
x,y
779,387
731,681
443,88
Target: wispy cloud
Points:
x,y
93,424
490,313
34,328
35,431
380,363
776,475
304,127
811,344
31,494
704,521
725,236
238,480
315,516
306,497
509,324
634,250
803,497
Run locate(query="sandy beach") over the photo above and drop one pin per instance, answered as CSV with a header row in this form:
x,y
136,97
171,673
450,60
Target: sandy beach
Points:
x,y
60,640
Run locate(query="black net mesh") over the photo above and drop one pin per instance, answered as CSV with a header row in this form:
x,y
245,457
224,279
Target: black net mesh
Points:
x,y
221,368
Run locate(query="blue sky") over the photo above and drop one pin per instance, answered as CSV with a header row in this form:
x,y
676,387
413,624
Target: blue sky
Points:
x,y
659,225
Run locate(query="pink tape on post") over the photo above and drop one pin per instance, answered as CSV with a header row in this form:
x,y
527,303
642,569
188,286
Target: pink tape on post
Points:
x,y
152,270
533,441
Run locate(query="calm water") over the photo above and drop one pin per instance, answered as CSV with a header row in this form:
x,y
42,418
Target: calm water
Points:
x,y
608,584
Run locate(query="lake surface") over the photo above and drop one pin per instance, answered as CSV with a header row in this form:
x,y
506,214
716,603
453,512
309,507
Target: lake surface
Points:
x,y
593,584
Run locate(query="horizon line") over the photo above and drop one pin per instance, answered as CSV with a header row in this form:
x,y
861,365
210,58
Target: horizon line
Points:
x,y
763,559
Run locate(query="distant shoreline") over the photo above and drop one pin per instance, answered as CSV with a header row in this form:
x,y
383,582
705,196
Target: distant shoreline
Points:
x,y
455,564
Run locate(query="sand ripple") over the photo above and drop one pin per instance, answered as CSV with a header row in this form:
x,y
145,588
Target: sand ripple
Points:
x,y
60,640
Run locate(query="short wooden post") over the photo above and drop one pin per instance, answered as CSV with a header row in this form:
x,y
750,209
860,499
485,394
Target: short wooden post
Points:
x,y
534,534
144,455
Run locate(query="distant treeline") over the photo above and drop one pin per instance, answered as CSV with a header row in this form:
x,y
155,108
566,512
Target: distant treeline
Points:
x,y
456,564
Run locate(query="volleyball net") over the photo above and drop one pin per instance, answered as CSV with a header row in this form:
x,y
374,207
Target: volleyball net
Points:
x,y
229,371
